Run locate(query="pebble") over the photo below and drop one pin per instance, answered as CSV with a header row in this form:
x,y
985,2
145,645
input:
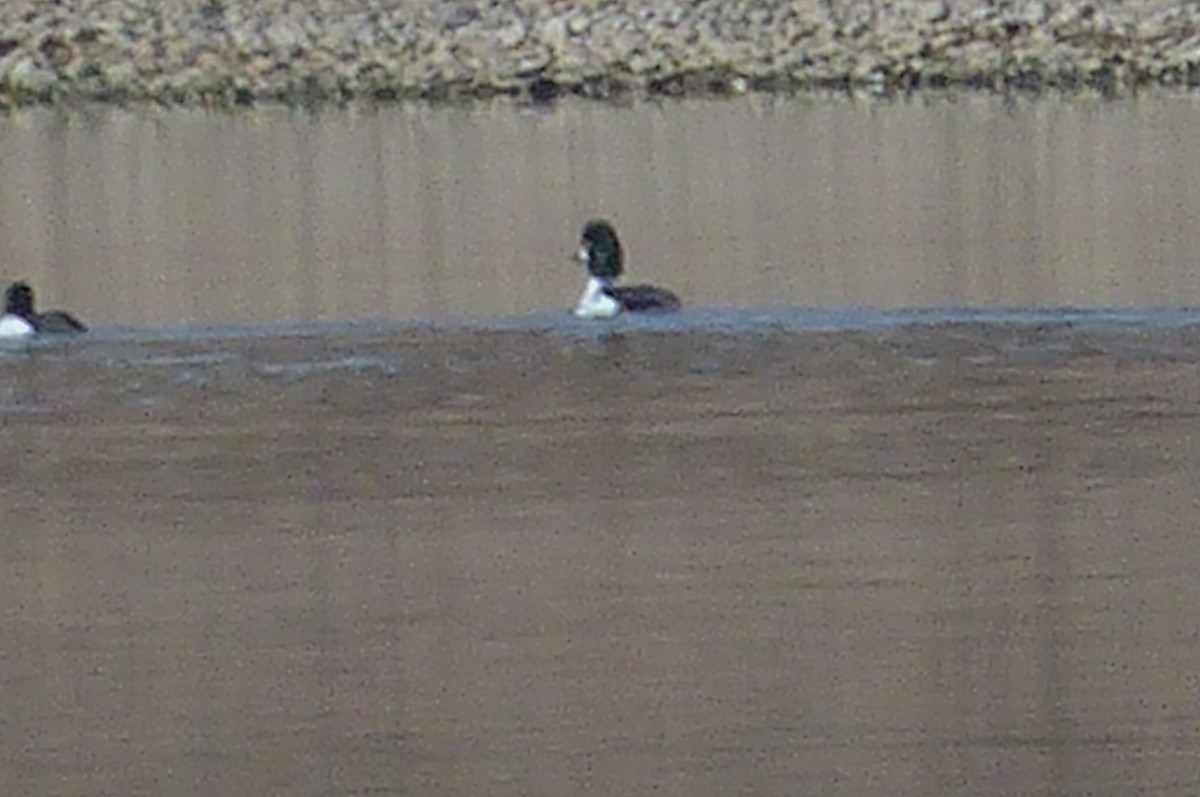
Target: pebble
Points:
x,y
219,52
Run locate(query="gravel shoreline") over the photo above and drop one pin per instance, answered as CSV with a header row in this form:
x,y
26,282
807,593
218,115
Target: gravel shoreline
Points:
x,y
224,53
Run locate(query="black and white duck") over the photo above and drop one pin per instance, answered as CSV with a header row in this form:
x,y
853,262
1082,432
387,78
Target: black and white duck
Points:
x,y
600,251
21,320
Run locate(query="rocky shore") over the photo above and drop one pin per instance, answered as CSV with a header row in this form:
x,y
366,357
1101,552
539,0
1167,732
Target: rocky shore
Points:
x,y
225,52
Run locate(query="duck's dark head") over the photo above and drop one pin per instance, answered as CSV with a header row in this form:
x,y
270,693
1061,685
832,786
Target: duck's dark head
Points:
x,y
600,250
18,300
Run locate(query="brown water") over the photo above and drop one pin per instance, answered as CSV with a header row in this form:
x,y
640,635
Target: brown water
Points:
x,y
150,218
722,554
925,560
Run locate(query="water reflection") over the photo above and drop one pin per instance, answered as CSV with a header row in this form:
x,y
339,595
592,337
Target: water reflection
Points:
x,y
152,217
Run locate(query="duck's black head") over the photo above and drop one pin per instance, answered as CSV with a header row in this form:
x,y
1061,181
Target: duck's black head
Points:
x,y
18,300
601,250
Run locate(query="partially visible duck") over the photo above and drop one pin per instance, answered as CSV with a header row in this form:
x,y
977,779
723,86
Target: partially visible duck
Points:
x,y
600,250
21,320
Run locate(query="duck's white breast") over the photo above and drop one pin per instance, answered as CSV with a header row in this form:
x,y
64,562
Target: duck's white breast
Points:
x,y
13,326
595,302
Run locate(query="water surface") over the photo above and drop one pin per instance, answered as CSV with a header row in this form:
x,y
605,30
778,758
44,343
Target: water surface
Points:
x,y
338,499
149,218
908,560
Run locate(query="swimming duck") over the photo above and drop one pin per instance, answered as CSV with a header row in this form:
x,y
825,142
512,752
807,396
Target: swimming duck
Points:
x,y
600,250
20,320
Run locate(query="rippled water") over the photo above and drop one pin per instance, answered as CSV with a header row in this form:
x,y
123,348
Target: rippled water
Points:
x,y
897,559
150,218
338,499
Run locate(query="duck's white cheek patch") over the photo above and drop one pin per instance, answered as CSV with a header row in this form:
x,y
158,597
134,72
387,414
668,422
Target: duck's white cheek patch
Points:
x,y
582,254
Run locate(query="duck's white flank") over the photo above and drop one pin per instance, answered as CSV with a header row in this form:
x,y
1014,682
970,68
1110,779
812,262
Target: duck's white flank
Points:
x,y
595,302
13,326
